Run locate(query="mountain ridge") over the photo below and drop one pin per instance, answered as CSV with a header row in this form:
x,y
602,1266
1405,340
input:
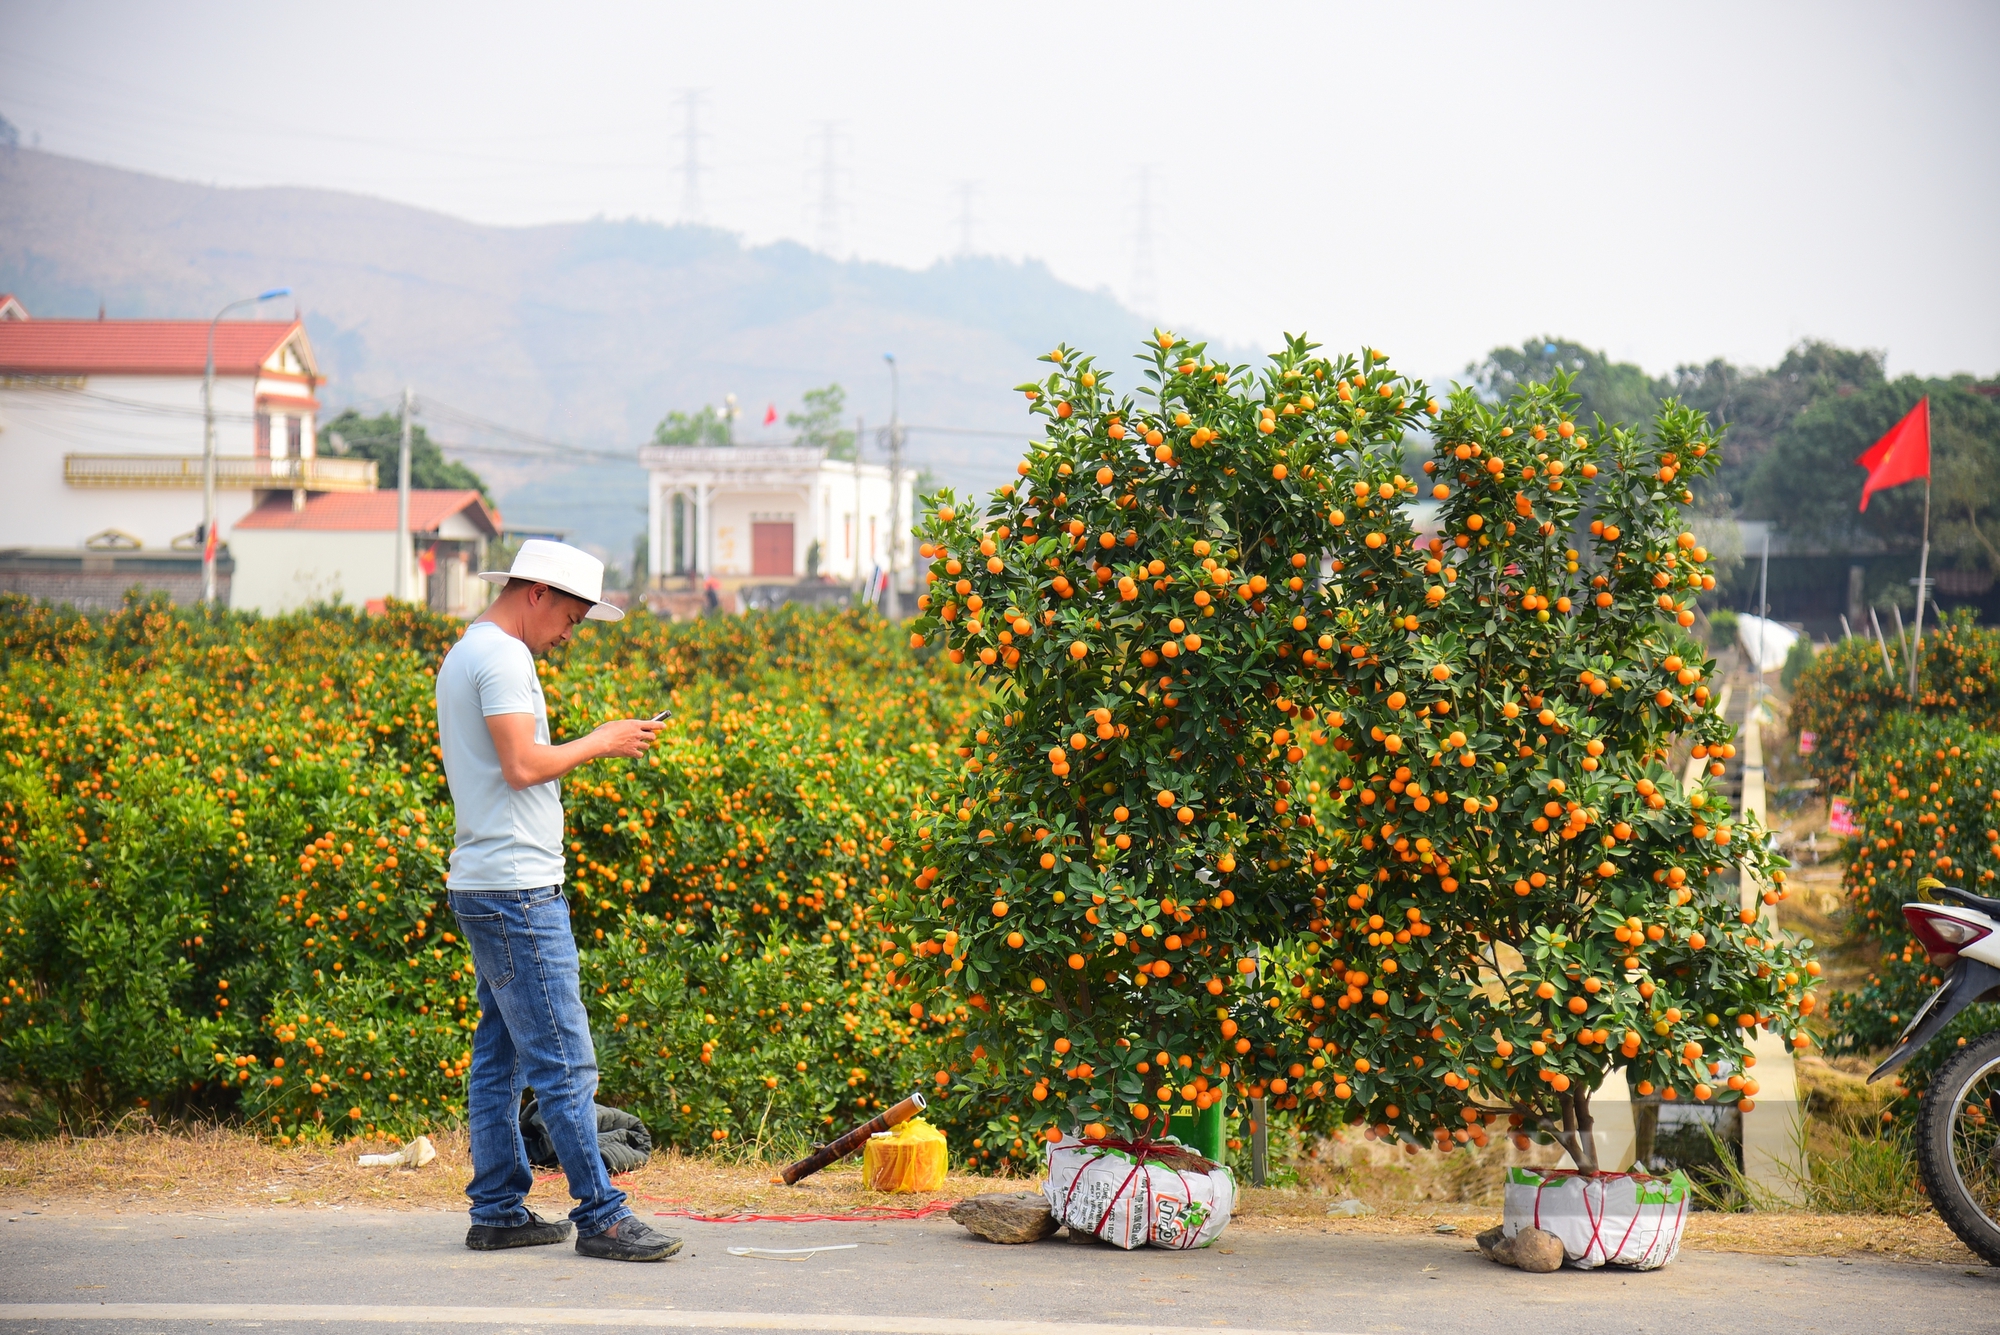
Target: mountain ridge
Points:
x,y
581,332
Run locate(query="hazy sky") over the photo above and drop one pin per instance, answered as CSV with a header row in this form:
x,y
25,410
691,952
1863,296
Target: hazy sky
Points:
x,y
1669,182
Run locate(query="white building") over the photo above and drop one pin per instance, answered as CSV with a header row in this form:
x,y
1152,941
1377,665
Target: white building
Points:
x,y
101,428
752,512
343,546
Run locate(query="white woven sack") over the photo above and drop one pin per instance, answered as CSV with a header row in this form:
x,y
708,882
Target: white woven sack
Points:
x,y
1624,1219
1101,1191
1190,1210
1109,1193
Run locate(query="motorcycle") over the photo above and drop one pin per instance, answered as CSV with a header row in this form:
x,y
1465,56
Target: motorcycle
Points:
x,y
1958,1125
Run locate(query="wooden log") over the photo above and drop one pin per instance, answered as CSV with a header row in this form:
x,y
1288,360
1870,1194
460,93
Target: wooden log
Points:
x,y
839,1149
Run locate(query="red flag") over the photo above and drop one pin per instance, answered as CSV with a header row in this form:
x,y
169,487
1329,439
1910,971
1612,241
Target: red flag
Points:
x,y
208,546
428,562
770,414
1903,455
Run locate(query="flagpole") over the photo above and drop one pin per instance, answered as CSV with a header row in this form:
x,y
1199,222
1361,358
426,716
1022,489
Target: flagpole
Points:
x,y
1923,562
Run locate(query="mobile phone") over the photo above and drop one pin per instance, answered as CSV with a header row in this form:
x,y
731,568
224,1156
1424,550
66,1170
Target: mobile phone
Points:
x,y
664,713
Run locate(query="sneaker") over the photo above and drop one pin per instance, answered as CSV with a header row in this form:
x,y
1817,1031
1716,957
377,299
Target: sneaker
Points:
x,y
630,1239
537,1232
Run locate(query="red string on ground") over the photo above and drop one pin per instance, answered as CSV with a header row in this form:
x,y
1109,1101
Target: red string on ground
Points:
x,y
865,1214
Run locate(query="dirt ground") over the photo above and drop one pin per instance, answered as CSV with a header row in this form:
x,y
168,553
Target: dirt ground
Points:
x,y
192,1172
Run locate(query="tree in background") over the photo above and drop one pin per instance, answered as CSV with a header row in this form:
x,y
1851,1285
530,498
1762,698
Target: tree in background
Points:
x,y
381,438
706,426
1615,391
1754,406
819,423
1808,484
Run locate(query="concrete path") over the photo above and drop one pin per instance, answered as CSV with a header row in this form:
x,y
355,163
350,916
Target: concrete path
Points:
x,y
379,1270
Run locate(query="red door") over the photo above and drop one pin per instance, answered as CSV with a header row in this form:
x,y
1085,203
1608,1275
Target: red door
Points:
x,y
771,550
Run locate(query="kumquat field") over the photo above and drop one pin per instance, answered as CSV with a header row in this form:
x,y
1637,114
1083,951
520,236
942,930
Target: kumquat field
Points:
x,y
222,847
1201,776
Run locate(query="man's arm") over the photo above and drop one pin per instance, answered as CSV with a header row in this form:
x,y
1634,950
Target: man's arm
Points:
x,y
525,762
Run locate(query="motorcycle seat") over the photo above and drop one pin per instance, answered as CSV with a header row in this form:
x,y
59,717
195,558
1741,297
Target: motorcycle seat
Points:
x,y
1969,900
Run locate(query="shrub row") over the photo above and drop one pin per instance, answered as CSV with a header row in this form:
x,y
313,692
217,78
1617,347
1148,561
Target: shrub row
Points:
x,y
1926,799
1848,694
223,843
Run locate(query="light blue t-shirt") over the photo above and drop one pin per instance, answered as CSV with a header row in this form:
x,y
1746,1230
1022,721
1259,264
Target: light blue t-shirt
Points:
x,y
507,839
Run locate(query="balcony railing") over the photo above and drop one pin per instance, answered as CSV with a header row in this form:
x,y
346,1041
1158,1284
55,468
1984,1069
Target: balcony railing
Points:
x,y
232,472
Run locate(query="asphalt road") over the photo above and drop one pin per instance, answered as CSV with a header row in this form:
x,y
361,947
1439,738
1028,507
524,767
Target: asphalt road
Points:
x,y
284,1271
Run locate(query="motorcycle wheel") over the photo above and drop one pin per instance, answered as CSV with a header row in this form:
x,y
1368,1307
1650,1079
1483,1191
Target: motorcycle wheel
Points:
x,y
1958,1145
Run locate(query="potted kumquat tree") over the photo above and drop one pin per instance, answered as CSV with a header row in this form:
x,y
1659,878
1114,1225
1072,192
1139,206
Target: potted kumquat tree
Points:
x,y
1537,903
1132,820
1501,894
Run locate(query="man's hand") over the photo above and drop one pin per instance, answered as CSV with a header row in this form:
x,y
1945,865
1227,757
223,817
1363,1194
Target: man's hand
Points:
x,y
524,762
630,737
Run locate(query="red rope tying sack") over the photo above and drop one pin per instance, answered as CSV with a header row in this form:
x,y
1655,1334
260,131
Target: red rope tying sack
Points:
x,y
863,1214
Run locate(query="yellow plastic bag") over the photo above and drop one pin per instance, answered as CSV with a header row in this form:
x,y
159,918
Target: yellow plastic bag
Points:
x,y
912,1157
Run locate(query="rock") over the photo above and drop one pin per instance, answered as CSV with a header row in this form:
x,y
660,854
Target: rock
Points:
x,y
1534,1250
1007,1216
1350,1206
1537,1251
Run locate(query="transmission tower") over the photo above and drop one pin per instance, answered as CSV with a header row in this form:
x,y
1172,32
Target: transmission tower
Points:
x,y
691,168
967,191
829,174
1144,280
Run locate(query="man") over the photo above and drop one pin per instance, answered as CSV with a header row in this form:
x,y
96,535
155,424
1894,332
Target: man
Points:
x,y
506,892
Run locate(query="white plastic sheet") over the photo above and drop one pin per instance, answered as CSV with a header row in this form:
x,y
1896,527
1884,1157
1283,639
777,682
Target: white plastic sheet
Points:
x,y
1765,643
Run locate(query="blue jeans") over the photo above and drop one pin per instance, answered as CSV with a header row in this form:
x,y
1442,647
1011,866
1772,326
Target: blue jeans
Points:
x,y
533,1033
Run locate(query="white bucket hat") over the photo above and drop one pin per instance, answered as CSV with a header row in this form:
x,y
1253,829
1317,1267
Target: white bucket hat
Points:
x,y
560,566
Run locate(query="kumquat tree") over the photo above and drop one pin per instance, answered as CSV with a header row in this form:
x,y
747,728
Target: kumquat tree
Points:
x,y
1498,894
1537,902
1148,611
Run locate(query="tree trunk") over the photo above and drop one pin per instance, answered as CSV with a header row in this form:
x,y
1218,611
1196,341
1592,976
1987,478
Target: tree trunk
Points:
x,y
1576,1132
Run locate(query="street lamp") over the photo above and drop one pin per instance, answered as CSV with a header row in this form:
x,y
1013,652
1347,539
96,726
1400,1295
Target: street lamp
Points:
x,y
208,543
892,603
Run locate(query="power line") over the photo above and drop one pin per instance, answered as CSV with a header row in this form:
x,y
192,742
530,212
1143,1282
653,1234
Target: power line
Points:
x,y
961,431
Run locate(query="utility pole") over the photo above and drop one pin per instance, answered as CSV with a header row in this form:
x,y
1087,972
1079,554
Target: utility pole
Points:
x,y
691,210
1144,281
209,537
892,601
860,425
1923,566
829,188
403,505
1763,612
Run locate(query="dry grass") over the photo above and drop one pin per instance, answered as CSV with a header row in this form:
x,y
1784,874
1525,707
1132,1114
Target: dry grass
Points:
x,y
192,1171
220,1168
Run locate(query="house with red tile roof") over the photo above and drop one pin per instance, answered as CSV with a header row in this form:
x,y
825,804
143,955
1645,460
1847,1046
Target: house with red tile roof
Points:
x,y
341,546
101,434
